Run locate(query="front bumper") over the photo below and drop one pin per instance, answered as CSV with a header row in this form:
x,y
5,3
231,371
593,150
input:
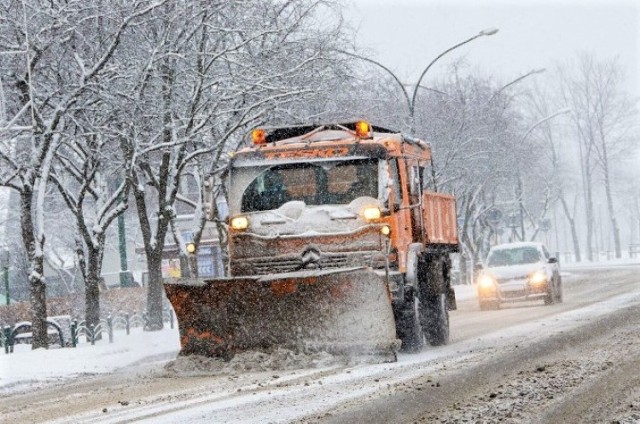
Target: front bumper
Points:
x,y
514,291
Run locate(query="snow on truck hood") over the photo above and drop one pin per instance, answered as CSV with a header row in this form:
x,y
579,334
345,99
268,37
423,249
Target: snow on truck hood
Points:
x,y
298,218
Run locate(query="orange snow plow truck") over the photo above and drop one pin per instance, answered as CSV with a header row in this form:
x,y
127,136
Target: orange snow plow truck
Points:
x,y
335,244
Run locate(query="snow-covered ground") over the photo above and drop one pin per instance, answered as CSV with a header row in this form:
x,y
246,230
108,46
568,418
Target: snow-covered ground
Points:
x,y
26,367
624,261
256,395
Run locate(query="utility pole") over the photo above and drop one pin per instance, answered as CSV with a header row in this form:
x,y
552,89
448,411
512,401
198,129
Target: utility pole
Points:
x,y
125,275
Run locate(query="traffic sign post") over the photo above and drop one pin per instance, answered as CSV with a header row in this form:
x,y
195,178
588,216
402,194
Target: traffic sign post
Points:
x,y
494,218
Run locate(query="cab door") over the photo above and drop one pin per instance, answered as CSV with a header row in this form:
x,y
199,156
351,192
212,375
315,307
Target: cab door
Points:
x,y
400,210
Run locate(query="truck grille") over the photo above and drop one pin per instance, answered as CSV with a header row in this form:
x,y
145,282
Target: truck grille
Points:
x,y
276,265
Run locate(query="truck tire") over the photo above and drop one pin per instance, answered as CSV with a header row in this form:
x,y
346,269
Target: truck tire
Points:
x,y
408,326
436,319
434,313
452,305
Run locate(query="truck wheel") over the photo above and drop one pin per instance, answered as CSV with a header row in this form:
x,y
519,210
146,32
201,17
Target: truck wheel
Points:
x,y
408,327
435,319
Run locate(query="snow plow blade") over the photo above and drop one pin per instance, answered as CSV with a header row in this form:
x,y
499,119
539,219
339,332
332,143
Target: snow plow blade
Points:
x,y
338,311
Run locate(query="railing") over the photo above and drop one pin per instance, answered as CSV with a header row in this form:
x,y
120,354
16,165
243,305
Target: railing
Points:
x,y
22,331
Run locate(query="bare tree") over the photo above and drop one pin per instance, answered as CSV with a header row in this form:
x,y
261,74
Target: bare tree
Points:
x,y
61,66
95,201
611,120
602,121
196,93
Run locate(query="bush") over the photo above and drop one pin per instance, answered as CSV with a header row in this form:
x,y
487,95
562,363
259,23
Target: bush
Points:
x,y
112,302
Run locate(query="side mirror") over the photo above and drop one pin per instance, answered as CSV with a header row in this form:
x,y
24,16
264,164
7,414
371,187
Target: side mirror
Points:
x,y
553,260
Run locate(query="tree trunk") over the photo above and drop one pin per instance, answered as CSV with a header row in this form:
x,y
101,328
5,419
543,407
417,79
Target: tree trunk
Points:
x,y
37,287
92,290
589,217
612,214
572,225
155,292
38,305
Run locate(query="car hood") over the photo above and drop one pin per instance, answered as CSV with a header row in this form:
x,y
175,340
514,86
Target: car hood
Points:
x,y
514,271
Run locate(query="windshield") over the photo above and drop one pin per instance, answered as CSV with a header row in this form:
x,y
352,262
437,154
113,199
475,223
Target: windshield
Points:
x,y
515,256
315,184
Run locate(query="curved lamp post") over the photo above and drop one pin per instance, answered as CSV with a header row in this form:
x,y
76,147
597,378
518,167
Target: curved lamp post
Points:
x,y
515,81
412,104
519,189
412,100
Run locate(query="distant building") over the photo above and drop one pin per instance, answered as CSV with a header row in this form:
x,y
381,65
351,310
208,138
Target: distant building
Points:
x,y
209,254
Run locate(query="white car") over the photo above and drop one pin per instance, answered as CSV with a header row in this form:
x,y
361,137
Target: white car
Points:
x,y
518,272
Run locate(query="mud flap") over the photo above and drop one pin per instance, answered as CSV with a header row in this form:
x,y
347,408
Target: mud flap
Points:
x,y
339,311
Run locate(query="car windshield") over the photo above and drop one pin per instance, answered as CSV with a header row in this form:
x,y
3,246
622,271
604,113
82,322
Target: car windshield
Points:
x,y
315,184
514,256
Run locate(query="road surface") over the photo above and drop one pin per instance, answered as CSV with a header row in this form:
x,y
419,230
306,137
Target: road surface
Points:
x,y
578,361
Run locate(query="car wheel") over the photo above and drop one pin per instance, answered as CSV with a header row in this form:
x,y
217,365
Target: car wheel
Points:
x,y
489,305
550,298
559,296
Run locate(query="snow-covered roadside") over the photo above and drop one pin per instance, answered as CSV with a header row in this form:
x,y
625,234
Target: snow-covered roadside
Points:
x,y
245,396
26,368
36,368
626,261
32,368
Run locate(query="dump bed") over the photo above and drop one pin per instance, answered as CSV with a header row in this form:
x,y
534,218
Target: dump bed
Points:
x,y
440,218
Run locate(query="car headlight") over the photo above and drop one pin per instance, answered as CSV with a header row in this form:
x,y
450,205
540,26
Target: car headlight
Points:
x,y
239,223
486,282
538,277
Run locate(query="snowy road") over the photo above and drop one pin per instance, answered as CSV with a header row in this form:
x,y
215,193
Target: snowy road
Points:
x,y
523,363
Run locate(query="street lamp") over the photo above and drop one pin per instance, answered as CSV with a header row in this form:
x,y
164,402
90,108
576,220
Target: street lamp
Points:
x,y
412,100
515,81
412,105
519,189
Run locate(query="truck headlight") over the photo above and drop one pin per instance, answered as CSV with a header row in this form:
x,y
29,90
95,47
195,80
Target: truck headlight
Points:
x,y
371,213
239,223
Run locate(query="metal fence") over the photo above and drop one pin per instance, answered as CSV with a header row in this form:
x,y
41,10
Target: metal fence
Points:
x,y
21,332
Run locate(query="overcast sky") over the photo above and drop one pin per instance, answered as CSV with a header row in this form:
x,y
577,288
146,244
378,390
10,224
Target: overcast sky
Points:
x,y
407,34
